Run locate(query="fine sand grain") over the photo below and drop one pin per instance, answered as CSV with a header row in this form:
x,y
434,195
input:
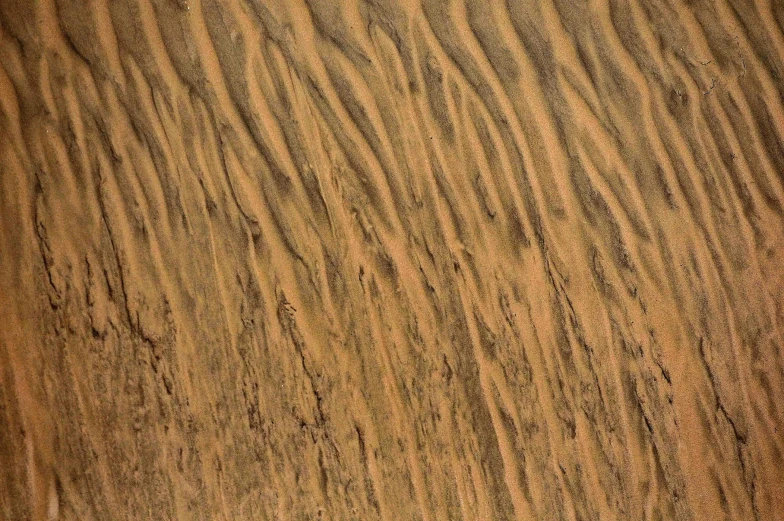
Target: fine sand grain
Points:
x,y
392,259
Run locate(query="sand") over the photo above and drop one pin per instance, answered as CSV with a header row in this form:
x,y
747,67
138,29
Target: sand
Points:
x,y
399,260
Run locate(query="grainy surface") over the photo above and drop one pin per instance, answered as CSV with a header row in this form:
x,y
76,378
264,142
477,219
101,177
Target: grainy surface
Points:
x,y
392,260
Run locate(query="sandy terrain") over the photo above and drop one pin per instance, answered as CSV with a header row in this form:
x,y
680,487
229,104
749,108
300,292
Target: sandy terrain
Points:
x,y
399,260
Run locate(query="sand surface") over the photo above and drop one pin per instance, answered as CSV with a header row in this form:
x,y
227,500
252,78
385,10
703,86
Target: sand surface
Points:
x,y
401,260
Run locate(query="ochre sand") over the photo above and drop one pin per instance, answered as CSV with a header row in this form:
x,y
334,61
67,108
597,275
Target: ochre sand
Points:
x,y
394,260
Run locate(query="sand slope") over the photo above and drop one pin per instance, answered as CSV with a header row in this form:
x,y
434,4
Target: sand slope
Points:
x,y
393,260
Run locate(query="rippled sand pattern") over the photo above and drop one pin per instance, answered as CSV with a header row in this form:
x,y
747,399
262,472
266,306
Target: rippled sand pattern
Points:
x,y
399,260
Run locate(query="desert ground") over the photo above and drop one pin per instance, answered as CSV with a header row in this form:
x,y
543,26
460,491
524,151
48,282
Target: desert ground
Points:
x,y
392,260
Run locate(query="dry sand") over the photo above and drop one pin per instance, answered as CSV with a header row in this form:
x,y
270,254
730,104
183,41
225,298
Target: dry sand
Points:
x,y
437,260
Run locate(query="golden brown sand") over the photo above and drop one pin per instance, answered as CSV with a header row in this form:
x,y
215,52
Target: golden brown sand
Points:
x,y
383,259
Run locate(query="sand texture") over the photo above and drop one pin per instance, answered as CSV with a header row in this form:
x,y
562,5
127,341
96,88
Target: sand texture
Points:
x,y
392,260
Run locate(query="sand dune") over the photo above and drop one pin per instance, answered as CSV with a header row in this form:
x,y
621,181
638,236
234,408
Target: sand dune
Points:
x,y
437,260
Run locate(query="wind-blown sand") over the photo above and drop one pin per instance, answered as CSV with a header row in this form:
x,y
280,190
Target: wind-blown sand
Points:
x,y
392,260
